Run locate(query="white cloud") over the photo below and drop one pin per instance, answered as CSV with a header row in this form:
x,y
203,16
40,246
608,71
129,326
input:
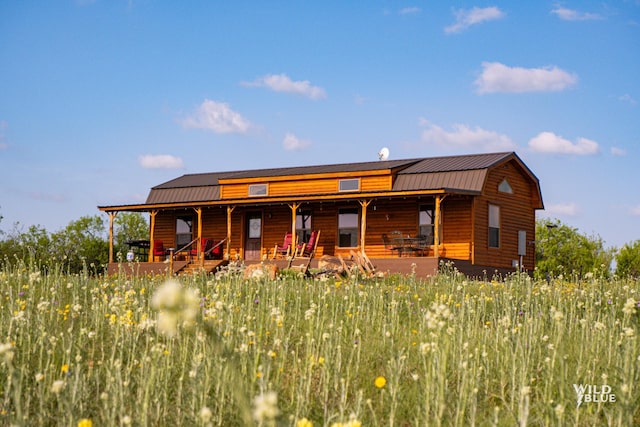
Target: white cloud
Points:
x,y
615,151
564,209
463,136
477,15
635,211
292,142
573,15
497,77
282,83
217,117
160,161
549,142
409,11
627,98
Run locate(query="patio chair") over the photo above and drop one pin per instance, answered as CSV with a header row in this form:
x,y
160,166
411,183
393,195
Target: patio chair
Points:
x,y
391,244
285,249
205,245
305,253
215,251
158,249
308,249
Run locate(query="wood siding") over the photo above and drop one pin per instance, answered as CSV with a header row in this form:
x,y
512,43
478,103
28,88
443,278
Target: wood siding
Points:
x,y
464,225
318,185
516,213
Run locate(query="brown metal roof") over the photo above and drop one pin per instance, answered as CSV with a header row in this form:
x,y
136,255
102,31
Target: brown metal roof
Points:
x,y
464,181
464,173
457,163
183,194
204,179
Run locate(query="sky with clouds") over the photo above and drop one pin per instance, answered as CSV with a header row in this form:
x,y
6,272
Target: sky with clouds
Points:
x,y
101,100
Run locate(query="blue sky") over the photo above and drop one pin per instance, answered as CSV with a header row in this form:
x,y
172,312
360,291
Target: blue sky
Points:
x,y
101,100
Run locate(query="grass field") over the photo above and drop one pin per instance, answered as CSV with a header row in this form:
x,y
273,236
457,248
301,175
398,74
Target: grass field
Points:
x,y
394,351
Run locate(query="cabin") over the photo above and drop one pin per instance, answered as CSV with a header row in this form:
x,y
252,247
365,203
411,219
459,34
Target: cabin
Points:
x,y
476,211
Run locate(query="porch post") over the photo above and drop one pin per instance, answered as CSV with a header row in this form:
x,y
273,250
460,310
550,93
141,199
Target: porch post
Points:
x,y
112,215
363,223
152,232
199,243
229,210
436,231
294,211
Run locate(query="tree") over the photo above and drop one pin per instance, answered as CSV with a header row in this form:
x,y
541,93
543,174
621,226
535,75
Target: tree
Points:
x,y
82,243
561,249
33,245
628,260
129,226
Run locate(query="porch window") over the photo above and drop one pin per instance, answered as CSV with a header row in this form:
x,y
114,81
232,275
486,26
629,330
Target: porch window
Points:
x,y
303,225
348,228
494,226
427,223
349,185
256,190
184,231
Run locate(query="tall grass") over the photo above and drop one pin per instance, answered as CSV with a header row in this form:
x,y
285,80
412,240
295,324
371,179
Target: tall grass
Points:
x,y
393,351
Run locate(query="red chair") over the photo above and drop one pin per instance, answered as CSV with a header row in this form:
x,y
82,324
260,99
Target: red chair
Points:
x,y
309,249
215,251
205,245
158,249
285,249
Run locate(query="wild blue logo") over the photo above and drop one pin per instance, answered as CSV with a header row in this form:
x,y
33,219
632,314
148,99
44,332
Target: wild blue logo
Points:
x,y
591,393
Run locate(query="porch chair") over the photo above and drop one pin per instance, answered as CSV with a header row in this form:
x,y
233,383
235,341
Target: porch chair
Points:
x,y
308,249
391,244
215,250
286,249
205,245
305,253
158,249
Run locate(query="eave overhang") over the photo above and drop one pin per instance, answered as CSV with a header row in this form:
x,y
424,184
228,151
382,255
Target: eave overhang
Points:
x,y
265,201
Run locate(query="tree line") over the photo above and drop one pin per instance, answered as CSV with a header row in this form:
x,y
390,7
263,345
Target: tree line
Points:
x,y
83,244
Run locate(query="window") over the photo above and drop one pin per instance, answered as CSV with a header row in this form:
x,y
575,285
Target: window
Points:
x,y
303,225
494,226
349,185
257,190
348,228
505,187
184,231
427,222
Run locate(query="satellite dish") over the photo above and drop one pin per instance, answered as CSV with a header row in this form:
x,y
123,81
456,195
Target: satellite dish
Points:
x,y
383,154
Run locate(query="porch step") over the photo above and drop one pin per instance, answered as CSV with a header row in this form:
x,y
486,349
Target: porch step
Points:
x,y
194,267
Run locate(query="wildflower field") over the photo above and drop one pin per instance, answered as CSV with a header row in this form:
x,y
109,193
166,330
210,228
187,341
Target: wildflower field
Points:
x,y
80,350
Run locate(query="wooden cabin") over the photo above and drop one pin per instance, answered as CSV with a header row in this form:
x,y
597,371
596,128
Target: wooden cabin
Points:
x,y
477,211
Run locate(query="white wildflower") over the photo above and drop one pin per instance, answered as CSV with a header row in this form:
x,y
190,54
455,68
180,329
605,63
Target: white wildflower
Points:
x,y
629,306
265,406
175,304
205,414
57,386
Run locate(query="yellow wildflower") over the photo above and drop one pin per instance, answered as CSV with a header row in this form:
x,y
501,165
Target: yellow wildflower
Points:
x,y
85,422
380,382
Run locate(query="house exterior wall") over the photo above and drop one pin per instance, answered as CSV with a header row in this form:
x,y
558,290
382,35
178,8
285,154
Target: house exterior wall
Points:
x,y
305,185
517,212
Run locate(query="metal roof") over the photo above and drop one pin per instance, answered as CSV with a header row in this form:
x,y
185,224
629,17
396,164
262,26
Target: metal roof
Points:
x,y
202,179
464,174
457,163
464,181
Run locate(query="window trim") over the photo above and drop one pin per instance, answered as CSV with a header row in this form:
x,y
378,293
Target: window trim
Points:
x,y
252,187
348,180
